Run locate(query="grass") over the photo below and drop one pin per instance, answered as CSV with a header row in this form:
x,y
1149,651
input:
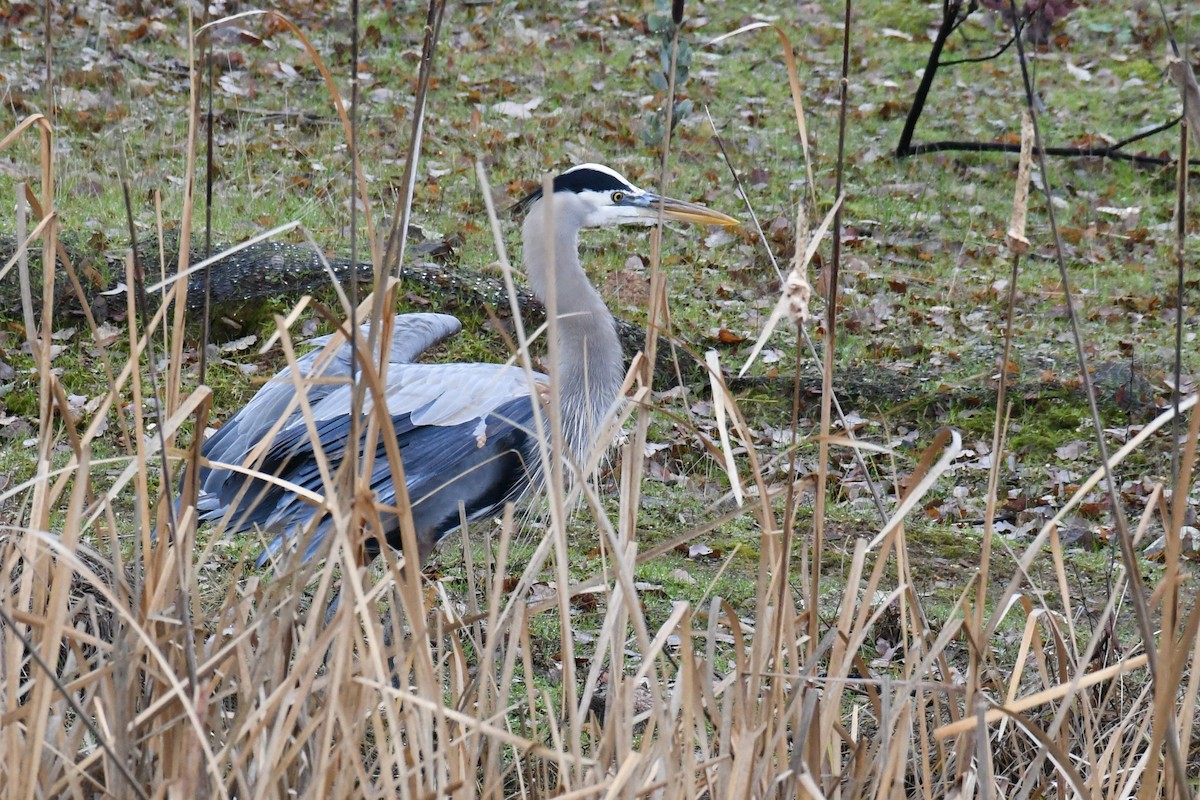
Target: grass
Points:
x,y
704,658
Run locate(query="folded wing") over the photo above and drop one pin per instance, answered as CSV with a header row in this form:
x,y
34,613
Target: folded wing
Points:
x,y
465,434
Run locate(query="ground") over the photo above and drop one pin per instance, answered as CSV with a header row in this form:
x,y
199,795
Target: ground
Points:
x,y
526,89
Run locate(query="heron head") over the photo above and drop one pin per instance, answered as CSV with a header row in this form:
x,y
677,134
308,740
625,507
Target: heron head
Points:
x,y
598,197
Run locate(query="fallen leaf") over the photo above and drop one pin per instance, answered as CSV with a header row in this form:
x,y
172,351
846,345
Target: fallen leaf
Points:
x,y
1079,73
238,345
683,576
106,334
718,238
229,83
517,110
725,336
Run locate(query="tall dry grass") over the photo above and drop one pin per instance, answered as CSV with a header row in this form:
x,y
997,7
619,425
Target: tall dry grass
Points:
x,y
121,677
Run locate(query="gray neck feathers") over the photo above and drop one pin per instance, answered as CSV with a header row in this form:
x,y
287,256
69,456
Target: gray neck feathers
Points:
x,y
592,365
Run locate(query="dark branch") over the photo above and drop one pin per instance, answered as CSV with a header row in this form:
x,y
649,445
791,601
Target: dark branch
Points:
x,y
1112,151
978,59
950,10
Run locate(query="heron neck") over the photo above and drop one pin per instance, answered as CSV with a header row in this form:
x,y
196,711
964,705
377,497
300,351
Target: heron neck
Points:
x,y
591,365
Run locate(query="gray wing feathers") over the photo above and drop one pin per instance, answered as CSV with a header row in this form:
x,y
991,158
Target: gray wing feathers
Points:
x,y
436,394
412,334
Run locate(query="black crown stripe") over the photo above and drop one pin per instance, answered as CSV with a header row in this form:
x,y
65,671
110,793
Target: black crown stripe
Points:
x,y
578,180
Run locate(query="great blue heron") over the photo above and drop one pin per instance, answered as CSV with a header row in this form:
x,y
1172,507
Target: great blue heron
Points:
x,y
465,431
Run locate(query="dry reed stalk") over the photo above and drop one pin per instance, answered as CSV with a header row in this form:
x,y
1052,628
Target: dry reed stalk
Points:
x,y
330,86
33,595
813,562
1176,774
281,700
382,313
1018,244
831,278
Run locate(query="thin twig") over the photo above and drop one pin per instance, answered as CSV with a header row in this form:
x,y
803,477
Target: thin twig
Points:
x,y
831,292
1181,207
209,175
358,446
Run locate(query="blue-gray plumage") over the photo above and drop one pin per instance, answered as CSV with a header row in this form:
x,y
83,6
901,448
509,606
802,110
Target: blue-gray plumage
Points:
x,y
412,334
465,432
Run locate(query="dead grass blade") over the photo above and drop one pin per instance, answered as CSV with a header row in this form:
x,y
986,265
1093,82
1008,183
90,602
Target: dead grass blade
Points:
x,y
563,680
926,476
330,86
1145,625
721,401
1046,695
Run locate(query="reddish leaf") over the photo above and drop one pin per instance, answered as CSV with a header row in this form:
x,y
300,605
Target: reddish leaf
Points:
x,y
725,336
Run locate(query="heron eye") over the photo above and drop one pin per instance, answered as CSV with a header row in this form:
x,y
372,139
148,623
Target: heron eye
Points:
x,y
617,197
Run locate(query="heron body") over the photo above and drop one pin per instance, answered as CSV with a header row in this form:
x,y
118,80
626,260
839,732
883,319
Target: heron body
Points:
x,y
466,433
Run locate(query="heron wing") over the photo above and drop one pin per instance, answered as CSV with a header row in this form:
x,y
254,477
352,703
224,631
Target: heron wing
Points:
x,y
425,395
445,466
436,394
463,431
412,334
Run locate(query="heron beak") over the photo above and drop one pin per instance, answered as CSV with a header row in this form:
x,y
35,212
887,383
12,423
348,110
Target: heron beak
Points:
x,y
685,212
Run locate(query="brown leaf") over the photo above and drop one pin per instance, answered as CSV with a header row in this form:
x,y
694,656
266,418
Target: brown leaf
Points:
x,y
725,336
137,32
628,286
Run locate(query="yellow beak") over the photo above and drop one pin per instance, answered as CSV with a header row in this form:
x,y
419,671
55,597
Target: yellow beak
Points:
x,y
685,212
